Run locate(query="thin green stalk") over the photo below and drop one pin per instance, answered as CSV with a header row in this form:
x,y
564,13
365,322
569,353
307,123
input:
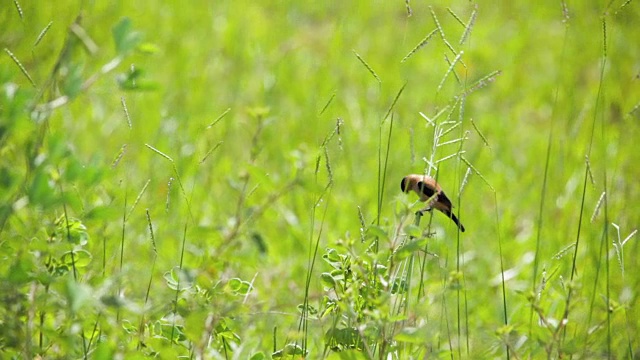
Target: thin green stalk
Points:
x,y
543,192
382,167
175,300
593,128
605,237
73,260
125,215
446,318
303,325
586,175
424,258
606,252
95,330
153,266
606,213
504,290
459,249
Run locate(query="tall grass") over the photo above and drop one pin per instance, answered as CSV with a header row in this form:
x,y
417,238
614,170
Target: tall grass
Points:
x,y
181,182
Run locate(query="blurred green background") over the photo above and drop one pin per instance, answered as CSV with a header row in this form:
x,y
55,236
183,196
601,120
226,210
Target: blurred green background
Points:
x,y
241,96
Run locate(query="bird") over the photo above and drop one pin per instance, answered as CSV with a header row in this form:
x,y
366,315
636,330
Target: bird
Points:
x,y
427,188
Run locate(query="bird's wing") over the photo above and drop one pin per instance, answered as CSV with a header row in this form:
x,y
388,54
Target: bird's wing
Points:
x,y
426,189
442,198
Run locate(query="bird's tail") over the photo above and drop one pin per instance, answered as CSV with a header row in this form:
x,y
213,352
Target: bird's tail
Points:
x,y
455,219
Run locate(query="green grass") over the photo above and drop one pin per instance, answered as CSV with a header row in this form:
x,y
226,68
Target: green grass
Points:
x,y
221,180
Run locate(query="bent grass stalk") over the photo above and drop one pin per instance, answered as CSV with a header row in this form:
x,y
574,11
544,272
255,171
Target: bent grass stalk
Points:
x,y
175,170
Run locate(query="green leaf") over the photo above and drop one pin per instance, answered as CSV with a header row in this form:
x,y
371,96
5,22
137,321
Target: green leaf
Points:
x,y
125,38
178,279
103,212
20,271
239,286
6,176
413,231
148,48
133,79
224,331
377,232
350,354
104,351
112,301
258,356
72,81
259,112
346,338
455,280
310,309
333,258
79,258
412,335
258,240
288,350
409,248
72,230
77,294
327,280
41,190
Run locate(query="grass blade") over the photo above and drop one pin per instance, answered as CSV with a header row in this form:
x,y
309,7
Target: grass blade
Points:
x,y
22,68
421,44
369,68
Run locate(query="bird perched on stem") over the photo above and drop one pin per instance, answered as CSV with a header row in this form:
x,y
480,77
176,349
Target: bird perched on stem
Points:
x,y
429,190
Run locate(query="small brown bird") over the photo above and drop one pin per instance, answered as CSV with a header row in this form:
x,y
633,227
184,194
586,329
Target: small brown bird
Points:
x,y
427,188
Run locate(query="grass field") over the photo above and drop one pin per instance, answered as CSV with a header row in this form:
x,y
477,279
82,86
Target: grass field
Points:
x,y
221,179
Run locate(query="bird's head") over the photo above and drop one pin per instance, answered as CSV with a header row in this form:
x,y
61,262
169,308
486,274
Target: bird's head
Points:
x,y
405,186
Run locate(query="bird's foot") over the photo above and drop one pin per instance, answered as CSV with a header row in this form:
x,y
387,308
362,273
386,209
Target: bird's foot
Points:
x,y
421,212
